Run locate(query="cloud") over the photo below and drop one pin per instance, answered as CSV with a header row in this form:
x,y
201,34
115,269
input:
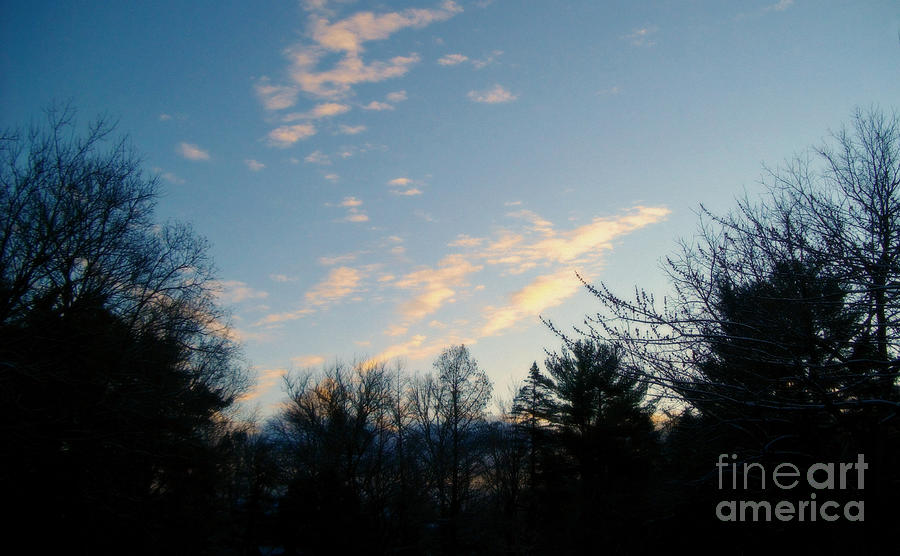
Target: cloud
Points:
x,y
426,216
281,278
348,35
355,215
285,136
410,347
495,95
254,165
544,292
417,348
463,240
452,59
169,176
780,6
324,110
351,70
339,283
375,105
404,186
191,151
488,60
434,286
407,192
518,252
642,36
164,117
538,224
231,292
396,330
308,360
351,130
317,157
277,318
276,97
265,381
396,96
337,259
332,177
610,91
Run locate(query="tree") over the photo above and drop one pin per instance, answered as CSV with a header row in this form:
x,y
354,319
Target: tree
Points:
x,y
336,432
820,252
532,409
779,340
601,422
448,410
117,368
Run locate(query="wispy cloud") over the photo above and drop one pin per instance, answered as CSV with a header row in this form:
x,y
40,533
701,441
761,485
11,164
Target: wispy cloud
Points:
x,y
276,97
354,212
323,110
168,176
282,278
347,37
337,259
317,157
396,330
287,135
191,151
610,91
404,187
407,192
643,36
266,379
376,105
434,286
544,292
351,130
254,165
307,361
278,318
495,95
339,283
478,63
533,243
396,96
464,240
452,59
232,292
780,6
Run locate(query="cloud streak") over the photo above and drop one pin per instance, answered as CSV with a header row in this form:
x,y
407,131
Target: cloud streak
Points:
x,y
495,95
191,151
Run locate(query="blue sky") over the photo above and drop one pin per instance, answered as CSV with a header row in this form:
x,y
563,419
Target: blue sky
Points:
x,y
382,180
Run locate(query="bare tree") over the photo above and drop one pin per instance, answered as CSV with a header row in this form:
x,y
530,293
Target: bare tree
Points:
x,y
789,303
448,409
113,351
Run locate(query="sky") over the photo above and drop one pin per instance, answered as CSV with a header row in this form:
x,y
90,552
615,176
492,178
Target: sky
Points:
x,y
381,180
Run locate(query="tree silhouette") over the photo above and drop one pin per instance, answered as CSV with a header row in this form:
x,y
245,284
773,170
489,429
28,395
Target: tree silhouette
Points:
x,y
117,367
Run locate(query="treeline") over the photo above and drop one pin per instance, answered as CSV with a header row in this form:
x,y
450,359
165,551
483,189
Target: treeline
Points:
x,y
777,350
